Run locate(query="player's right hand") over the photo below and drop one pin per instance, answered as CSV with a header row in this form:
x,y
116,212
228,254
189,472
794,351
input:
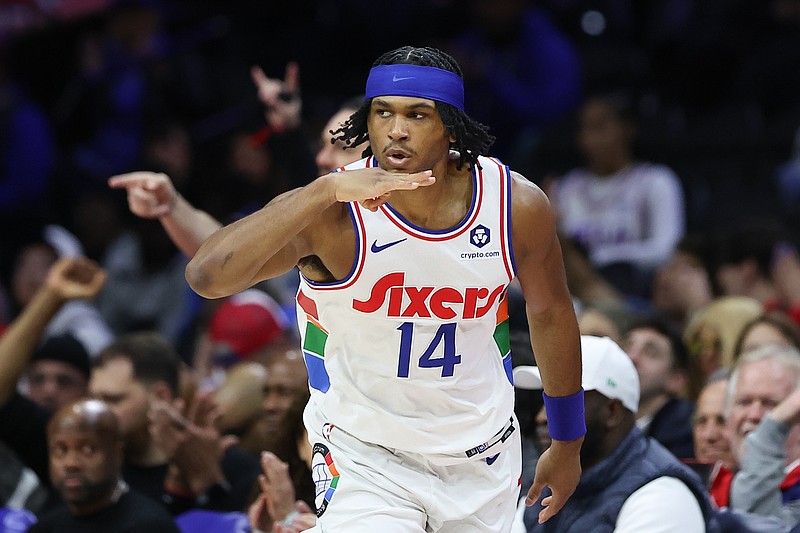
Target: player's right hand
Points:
x,y
373,186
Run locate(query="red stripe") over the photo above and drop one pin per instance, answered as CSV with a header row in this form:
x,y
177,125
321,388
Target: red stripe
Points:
x,y
791,478
308,305
502,309
504,208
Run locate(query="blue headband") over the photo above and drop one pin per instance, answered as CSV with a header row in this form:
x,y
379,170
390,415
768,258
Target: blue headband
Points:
x,y
415,80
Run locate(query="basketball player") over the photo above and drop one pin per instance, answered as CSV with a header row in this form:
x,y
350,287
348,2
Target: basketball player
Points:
x,y
405,258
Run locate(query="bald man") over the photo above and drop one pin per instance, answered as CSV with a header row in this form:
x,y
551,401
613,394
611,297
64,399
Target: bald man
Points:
x,y
86,454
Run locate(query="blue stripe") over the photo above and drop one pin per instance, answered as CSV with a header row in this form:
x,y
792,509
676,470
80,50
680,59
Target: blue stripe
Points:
x,y
312,283
508,368
317,373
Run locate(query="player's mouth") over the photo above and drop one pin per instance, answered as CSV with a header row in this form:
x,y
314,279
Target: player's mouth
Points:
x,y
398,158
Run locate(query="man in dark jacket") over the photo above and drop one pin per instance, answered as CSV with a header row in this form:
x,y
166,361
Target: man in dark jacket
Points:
x,y
630,483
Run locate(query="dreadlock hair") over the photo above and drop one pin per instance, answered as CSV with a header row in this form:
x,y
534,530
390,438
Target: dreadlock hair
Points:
x,y
472,137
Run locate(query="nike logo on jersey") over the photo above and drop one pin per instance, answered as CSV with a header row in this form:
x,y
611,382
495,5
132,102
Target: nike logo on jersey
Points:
x,y
492,459
381,247
395,78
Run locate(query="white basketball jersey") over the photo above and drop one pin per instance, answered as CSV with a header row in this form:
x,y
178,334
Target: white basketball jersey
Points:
x,y
411,351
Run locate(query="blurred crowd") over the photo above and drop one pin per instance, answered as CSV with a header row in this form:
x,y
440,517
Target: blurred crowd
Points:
x,y
665,133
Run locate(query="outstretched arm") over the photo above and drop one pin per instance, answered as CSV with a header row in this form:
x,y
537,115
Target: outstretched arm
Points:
x,y
68,279
152,195
554,332
272,240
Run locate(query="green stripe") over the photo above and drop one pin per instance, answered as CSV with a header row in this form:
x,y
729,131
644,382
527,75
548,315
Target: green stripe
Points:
x,y
501,338
314,340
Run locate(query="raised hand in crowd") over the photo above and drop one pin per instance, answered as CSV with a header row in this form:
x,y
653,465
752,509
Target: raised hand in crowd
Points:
x,y
191,442
281,97
68,279
275,509
788,411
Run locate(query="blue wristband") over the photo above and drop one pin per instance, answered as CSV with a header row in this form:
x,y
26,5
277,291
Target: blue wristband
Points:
x,y
565,418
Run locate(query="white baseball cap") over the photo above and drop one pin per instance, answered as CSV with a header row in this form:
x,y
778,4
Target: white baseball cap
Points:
x,y
606,369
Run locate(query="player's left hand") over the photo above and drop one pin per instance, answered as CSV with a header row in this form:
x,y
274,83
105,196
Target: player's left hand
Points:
x,y
559,468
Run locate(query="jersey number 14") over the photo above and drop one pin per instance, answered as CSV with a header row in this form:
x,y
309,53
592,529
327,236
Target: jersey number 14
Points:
x,y
447,359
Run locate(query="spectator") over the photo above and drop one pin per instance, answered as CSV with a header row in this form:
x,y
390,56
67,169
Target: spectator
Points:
x,y
764,431
132,375
248,325
58,373
710,337
25,473
627,214
86,451
79,317
774,327
629,481
711,442
285,395
262,406
129,374
713,455
662,365
275,509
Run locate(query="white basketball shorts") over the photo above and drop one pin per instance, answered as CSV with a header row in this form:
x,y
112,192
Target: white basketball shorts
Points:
x,y
365,488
